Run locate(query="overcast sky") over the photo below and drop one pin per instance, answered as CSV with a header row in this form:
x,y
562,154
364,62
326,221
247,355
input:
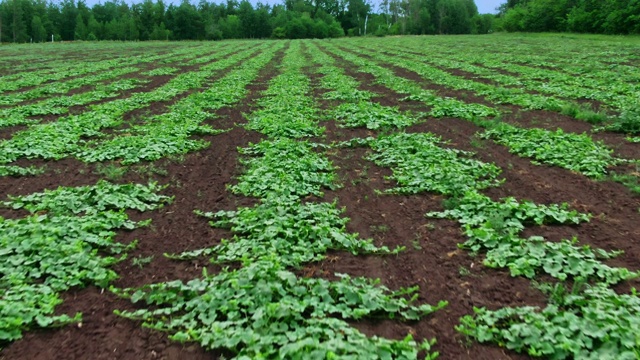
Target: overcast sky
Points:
x,y
484,6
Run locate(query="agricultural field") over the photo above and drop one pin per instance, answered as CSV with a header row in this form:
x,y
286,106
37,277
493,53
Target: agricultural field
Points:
x,y
450,197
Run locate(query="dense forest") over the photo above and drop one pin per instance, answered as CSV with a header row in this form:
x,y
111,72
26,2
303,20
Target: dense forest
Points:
x,y
584,16
38,20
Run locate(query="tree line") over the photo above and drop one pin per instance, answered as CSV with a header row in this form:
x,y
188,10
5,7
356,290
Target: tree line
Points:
x,y
38,20
582,16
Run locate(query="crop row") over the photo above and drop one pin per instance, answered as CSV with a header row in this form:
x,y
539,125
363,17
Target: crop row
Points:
x,y
619,113
618,94
499,95
493,227
34,78
263,309
67,137
22,115
440,106
171,132
60,245
564,57
125,66
568,150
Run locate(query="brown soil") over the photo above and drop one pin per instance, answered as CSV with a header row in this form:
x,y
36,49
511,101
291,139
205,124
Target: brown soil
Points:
x,y
432,259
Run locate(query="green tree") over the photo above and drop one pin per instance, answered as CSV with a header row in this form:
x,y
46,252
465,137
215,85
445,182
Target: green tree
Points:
x,y
68,17
295,29
131,28
81,31
159,10
279,33
187,23
262,25
356,16
231,27
94,28
482,24
38,32
160,32
454,17
145,15
247,19
18,26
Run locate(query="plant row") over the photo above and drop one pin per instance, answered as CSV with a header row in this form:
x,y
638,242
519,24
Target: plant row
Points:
x,y
439,106
581,278
576,152
126,66
68,70
618,94
171,133
603,61
69,135
516,95
620,97
66,241
494,227
25,114
263,309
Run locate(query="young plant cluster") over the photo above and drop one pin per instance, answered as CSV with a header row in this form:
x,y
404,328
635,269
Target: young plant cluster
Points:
x,y
523,78
505,89
60,245
575,152
372,116
23,114
91,74
285,109
417,161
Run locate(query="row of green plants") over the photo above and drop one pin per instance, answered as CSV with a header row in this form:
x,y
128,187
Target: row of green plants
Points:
x,y
263,309
527,89
293,116
172,132
416,173
493,227
357,111
582,278
14,99
618,94
68,69
439,106
126,66
357,108
69,135
588,59
515,94
65,241
28,114
576,152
